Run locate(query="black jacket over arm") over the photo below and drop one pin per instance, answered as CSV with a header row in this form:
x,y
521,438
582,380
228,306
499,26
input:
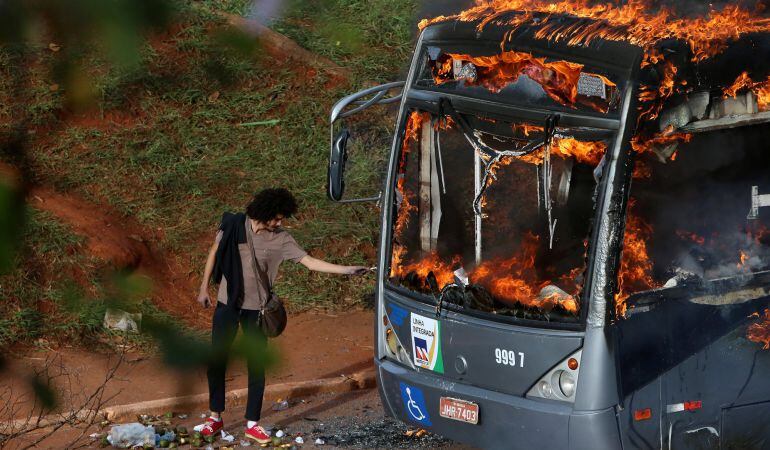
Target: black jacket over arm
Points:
x,y
228,259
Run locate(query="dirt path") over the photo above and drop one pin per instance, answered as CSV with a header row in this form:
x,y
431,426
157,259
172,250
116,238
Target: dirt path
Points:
x,y
312,347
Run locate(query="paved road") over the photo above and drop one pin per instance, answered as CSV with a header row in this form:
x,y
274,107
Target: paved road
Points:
x,y
352,420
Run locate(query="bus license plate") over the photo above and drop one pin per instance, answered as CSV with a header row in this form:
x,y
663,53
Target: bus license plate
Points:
x,y
455,409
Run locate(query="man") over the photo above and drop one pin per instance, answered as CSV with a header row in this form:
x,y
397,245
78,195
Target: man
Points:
x,y
243,292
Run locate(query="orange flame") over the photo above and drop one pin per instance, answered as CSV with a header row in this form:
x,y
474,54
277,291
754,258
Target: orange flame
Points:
x,y
759,332
641,144
443,271
411,134
635,265
526,129
586,152
396,258
636,22
742,82
655,96
743,258
559,79
513,280
760,89
689,236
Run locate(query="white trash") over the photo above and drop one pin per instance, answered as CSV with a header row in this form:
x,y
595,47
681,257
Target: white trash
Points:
x,y
319,441
131,435
280,433
227,437
115,319
299,440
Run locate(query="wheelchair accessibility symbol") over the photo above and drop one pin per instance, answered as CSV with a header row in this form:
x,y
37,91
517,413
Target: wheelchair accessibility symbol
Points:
x,y
414,404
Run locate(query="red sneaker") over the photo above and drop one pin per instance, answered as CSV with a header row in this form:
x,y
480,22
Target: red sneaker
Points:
x,y
212,426
258,434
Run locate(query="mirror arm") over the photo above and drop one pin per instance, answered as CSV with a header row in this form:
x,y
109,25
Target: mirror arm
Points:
x,y
337,109
338,112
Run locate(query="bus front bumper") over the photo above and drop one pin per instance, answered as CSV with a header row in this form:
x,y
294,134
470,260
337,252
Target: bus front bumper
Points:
x,y
504,421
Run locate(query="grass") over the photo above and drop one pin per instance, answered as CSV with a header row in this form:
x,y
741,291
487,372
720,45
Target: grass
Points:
x,y
58,294
164,142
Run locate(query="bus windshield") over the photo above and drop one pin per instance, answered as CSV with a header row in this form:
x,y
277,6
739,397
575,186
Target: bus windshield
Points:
x,y
494,216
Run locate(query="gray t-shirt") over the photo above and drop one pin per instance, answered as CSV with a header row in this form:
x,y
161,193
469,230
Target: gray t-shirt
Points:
x,y
271,249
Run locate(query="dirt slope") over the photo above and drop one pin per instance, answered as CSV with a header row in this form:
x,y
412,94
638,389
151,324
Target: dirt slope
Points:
x,y
124,244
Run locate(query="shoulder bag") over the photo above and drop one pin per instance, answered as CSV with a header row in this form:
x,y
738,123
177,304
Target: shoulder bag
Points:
x,y
274,312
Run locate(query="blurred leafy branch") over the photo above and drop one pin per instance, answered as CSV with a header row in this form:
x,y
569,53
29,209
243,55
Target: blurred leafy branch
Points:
x,y
83,37
59,58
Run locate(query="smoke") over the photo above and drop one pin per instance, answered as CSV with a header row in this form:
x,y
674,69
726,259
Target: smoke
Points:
x,y
697,206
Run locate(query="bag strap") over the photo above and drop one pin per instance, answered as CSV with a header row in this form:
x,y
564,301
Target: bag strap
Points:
x,y
261,274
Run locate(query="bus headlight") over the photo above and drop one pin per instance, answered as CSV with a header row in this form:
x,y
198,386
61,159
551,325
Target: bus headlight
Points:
x,y
559,383
566,383
391,341
545,388
394,349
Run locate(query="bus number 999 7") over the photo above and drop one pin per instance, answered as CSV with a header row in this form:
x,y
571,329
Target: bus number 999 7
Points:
x,y
508,357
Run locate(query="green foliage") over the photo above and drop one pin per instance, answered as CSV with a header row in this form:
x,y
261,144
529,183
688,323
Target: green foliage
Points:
x,y
374,38
186,118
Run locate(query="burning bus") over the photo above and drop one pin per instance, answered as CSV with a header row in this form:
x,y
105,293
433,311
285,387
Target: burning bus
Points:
x,y
575,240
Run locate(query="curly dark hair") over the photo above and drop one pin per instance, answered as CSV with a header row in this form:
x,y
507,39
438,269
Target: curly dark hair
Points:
x,y
269,203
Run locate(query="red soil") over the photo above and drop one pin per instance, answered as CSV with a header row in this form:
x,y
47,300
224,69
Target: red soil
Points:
x,y
124,244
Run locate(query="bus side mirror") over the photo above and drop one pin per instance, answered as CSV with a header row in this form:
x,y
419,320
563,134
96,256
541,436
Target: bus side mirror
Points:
x,y
337,160
338,157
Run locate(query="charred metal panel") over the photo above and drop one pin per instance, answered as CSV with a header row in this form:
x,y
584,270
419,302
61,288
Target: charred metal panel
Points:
x,y
729,372
746,427
640,418
612,196
598,51
688,346
672,325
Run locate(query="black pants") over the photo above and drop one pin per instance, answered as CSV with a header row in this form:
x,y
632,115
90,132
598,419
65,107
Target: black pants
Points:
x,y
252,348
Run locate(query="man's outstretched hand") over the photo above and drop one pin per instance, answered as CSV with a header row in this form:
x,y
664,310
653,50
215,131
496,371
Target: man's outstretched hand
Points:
x,y
203,298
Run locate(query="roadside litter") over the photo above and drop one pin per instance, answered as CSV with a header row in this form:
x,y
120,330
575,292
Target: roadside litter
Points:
x,y
280,405
131,435
151,431
116,319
